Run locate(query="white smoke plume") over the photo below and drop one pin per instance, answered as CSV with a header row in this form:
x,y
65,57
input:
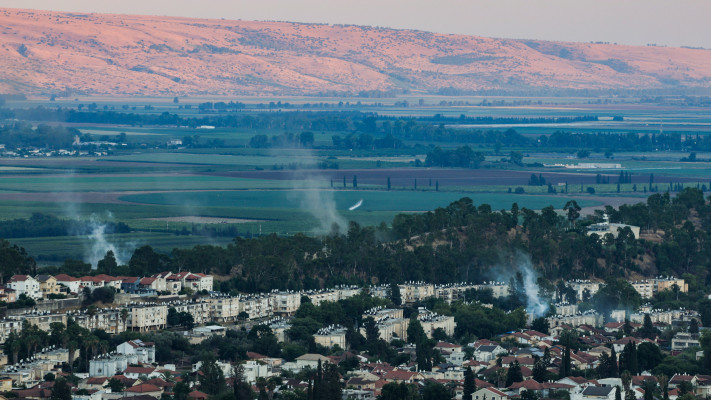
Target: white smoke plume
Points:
x,y
520,263
309,188
98,244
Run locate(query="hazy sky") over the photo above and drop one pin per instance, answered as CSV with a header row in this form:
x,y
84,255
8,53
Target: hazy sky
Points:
x,y
665,22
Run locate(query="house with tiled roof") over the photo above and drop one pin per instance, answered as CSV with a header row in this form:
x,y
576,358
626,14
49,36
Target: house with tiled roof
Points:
x,y
137,372
489,393
486,353
401,375
48,285
129,284
677,379
7,295
595,393
94,383
145,389
145,352
25,284
149,283
110,281
91,282
197,395
530,384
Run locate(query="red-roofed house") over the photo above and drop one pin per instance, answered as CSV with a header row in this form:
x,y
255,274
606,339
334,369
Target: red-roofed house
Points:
x,y
109,280
401,375
146,389
136,372
70,282
197,395
489,393
530,384
149,283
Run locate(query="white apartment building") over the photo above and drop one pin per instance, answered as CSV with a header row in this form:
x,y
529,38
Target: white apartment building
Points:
x,y
286,303
224,309
146,317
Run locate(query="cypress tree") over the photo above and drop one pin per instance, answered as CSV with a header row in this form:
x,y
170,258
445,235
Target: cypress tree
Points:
x,y
613,363
469,384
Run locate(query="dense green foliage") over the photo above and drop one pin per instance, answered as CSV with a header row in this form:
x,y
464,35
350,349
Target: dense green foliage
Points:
x,y
39,225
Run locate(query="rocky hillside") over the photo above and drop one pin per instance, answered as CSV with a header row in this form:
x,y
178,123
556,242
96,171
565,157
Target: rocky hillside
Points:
x,y
44,52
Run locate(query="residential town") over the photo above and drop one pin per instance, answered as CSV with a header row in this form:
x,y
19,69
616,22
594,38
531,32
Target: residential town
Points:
x,y
526,363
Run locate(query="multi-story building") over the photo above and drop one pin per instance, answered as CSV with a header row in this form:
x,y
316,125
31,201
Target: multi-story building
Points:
x,y
7,295
110,281
566,309
452,292
224,308
391,328
109,320
108,365
319,296
48,285
431,321
256,306
8,326
286,303
145,352
587,318
583,287
662,283
27,285
415,291
70,282
43,320
196,282
145,317
279,326
682,341
645,288
91,282
330,336
200,310
498,289
378,313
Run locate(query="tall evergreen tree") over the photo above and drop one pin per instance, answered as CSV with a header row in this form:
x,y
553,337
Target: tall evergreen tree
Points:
x,y
565,369
514,374
469,384
614,370
212,380
395,294
61,390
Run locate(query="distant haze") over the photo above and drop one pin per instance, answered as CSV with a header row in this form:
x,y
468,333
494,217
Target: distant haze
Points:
x,y
636,22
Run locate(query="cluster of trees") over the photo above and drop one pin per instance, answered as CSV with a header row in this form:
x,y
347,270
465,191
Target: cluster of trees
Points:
x,y
461,157
367,130
39,225
22,134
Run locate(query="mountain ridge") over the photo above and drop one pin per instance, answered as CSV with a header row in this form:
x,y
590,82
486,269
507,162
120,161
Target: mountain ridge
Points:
x,y
48,52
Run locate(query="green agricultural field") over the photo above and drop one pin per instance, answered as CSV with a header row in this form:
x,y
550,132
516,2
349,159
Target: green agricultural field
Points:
x,y
119,183
406,201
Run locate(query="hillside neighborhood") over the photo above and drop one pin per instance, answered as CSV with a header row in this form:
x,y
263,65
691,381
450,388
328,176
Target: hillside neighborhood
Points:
x,y
525,363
